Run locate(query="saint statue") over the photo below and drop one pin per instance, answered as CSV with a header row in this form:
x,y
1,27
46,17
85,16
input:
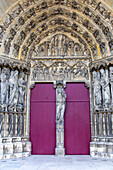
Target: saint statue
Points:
x,y
4,87
0,84
22,88
60,104
105,87
97,89
13,84
111,82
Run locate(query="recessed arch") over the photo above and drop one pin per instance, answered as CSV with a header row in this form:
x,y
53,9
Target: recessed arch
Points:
x,y
88,10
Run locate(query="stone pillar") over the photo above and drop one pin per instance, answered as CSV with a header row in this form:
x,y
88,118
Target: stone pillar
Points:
x,y
60,110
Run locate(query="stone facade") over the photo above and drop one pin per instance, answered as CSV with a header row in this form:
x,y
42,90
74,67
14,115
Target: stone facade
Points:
x,y
55,41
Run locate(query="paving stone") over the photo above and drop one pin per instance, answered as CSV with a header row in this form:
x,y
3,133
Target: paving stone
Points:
x,y
42,162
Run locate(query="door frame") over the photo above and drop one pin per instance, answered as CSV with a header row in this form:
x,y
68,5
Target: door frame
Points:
x,y
32,85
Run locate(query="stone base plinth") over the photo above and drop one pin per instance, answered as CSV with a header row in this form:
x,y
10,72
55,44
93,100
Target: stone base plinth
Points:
x,y
14,148
59,151
101,149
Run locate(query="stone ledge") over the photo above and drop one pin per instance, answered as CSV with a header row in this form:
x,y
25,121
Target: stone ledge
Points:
x,y
101,149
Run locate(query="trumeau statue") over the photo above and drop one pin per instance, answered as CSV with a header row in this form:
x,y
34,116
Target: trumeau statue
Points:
x,y
4,87
21,88
60,104
60,110
105,87
13,83
97,89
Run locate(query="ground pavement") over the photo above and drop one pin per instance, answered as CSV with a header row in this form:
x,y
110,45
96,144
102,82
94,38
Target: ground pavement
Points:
x,y
45,162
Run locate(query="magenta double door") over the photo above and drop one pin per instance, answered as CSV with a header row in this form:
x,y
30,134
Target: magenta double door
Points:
x,y
77,119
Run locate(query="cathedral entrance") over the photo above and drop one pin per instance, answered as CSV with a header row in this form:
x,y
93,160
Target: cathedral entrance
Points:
x,y
77,132
42,120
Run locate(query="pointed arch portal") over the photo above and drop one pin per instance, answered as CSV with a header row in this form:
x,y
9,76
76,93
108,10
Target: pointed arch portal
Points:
x,y
77,128
56,46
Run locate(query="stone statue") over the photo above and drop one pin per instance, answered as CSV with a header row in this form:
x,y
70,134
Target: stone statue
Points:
x,y
60,104
78,50
105,87
111,82
0,84
60,109
13,83
4,87
21,88
97,89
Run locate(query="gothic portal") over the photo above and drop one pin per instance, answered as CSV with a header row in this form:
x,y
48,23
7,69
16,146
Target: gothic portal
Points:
x,y
56,78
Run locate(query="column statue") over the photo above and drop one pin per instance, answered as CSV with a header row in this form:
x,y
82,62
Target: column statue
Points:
x,y
21,91
105,87
111,82
0,85
13,84
4,88
97,90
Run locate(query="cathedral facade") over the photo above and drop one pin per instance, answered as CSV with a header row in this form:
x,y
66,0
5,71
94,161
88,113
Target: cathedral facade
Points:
x,y
56,78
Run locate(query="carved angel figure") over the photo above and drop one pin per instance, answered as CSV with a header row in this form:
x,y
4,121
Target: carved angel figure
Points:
x,y
60,104
97,89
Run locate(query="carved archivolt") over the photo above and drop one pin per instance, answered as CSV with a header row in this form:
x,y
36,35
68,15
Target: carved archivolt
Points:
x,y
22,25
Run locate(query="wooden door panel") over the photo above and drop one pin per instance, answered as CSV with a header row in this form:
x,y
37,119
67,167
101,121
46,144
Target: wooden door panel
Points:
x,y
77,120
42,120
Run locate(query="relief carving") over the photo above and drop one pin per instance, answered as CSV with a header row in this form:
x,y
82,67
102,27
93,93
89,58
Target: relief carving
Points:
x,y
60,45
59,70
